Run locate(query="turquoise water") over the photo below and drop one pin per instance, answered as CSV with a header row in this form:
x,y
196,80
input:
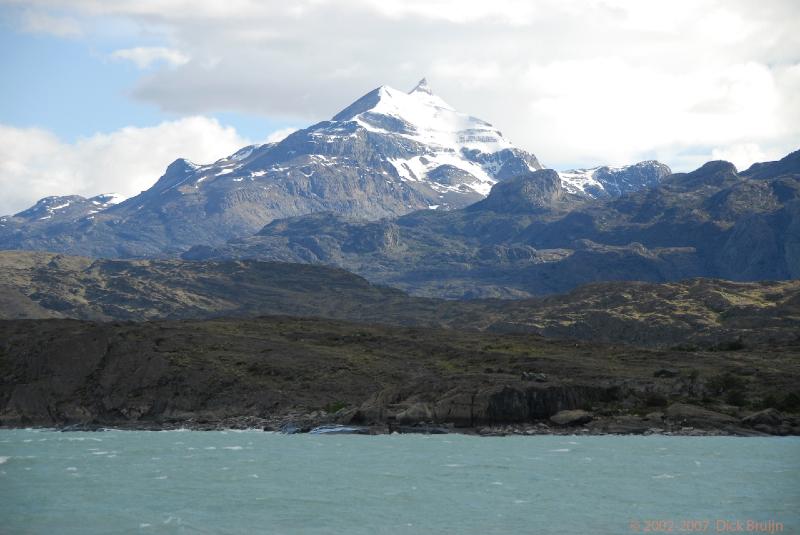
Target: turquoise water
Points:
x,y
255,482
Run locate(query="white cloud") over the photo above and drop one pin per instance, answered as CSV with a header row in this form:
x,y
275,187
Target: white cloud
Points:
x,y
577,82
515,12
743,155
280,135
43,22
34,163
145,56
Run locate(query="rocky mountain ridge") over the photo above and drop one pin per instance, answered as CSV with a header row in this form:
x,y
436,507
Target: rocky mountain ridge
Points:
x,y
531,236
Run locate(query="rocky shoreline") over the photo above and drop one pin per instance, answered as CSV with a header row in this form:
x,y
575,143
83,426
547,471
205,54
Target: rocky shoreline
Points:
x,y
677,420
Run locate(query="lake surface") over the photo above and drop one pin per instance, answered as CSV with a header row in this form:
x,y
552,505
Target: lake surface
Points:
x,y
256,482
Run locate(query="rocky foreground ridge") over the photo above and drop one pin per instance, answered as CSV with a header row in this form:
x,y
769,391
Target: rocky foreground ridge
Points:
x,y
700,313
300,373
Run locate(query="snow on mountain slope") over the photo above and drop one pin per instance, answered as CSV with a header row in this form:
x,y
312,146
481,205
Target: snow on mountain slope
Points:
x,y
608,181
415,143
68,207
453,151
385,155
431,121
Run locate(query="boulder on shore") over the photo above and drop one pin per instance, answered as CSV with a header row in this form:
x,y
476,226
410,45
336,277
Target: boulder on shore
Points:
x,y
770,417
571,417
416,413
692,415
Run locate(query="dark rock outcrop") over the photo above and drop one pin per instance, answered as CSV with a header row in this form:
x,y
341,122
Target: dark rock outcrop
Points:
x,y
573,417
527,193
692,415
769,417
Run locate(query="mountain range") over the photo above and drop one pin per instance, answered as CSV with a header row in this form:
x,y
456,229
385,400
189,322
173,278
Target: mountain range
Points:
x,y
385,155
532,236
405,191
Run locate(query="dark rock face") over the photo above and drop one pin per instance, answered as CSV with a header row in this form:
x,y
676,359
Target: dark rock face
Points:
x,y
573,417
494,405
692,415
717,173
769,417
528,193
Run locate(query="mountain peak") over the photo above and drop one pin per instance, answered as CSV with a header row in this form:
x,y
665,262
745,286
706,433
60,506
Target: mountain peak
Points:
x,y
535,191
605,181
422,87
451,152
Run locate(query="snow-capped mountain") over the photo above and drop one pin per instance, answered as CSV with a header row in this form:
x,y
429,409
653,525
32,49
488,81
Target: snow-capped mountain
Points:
x,y
429,154
387,154
608,181
66,208
452,151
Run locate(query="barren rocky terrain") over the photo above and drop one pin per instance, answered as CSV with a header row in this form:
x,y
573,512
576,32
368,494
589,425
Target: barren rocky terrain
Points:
x,y
273,371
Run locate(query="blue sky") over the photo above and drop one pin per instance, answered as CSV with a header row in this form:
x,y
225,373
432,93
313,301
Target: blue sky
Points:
x,y
65,86
73,88
100,96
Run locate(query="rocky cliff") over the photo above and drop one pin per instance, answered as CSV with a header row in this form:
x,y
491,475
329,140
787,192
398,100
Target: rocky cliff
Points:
x,y
273,371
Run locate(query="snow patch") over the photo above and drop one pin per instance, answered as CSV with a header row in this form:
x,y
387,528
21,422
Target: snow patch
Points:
x,y
110,198
243,153
59,207
416,169
432,121
577,180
